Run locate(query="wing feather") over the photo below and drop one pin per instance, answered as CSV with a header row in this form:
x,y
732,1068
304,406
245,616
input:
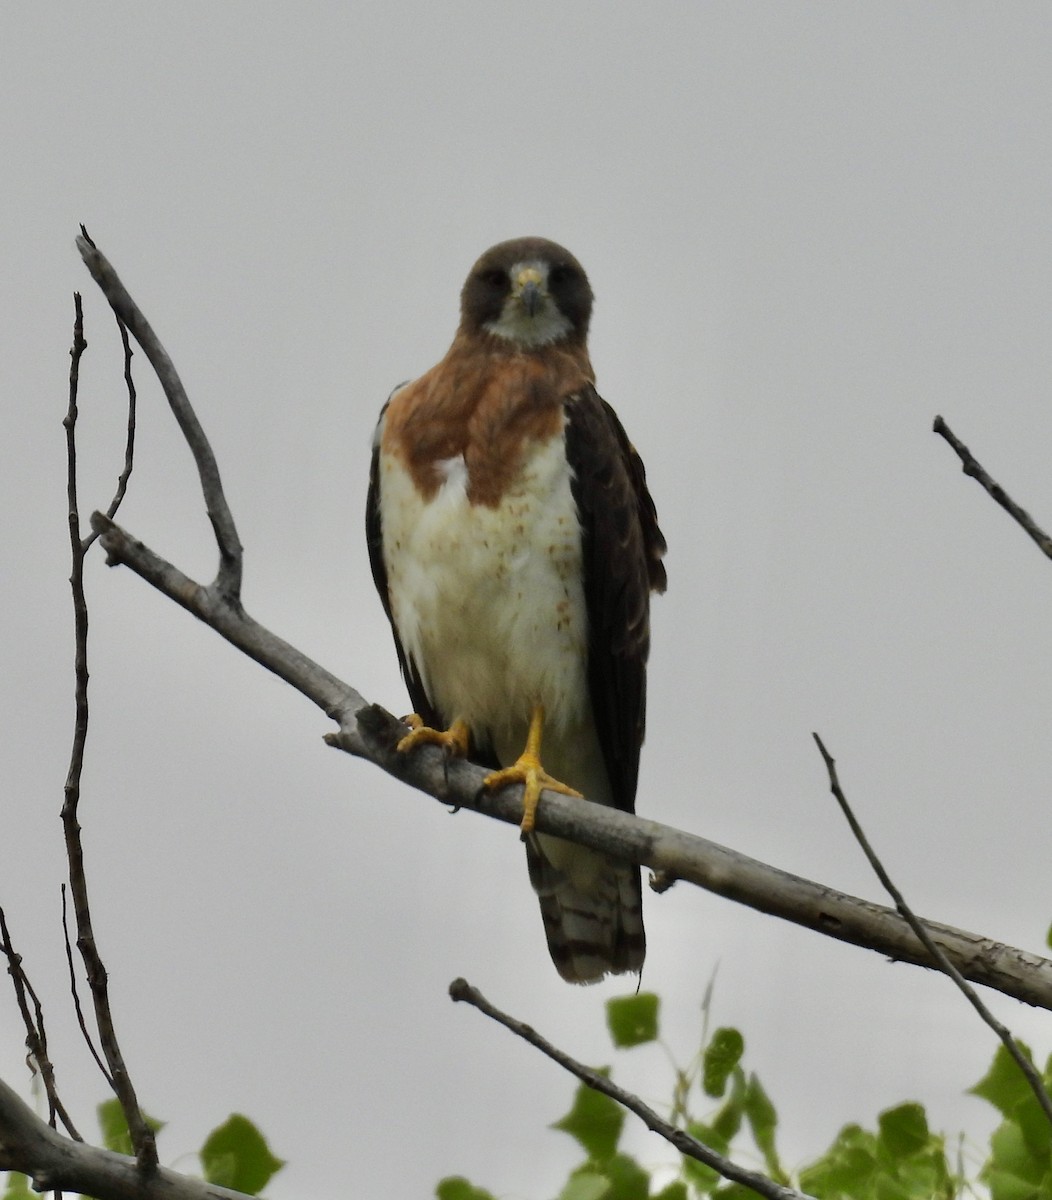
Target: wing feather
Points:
x,y
374,537
622,549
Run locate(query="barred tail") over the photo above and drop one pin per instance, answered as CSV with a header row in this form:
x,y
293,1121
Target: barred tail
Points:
x,y
592,908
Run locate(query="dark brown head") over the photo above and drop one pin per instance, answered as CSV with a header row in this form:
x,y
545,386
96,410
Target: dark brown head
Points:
x,y
529,292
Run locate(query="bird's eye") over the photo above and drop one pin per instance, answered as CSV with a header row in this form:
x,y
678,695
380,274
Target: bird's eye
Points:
x,y
561,273
494,278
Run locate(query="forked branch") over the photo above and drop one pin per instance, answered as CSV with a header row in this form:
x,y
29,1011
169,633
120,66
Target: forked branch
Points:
x,y
117,1072
58,1164
228,579
36,1036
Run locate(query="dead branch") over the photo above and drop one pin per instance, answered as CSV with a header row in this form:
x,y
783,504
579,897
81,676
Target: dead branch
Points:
x,y
938,957
228,579
971,466
679,1139
36,1035
117,1074
370,732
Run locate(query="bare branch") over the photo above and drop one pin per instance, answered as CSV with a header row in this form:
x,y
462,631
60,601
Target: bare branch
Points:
x,y
971,466
461,990
228,579
129,440
141,1134
78,1008
36,1035
55,1163
938,957
370,732
334,697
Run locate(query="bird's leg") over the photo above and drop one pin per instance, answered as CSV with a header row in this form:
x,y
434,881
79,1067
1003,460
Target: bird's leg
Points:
x,y
456,740
528,771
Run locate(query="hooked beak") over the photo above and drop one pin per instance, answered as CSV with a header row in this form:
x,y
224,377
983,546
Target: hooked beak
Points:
x,y
529,289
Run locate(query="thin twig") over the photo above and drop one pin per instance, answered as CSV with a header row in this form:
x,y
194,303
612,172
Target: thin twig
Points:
x,y
461,990
971,466
36,1035
141,1135
923,934
129,440
228,579
78,1008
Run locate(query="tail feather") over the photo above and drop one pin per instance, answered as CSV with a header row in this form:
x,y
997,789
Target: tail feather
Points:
x,y
592,909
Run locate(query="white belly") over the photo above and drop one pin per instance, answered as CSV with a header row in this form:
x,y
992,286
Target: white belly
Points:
x,y
489,602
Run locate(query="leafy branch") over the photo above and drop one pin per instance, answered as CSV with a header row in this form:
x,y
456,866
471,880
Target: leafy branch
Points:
x,y
595,1127
900,1159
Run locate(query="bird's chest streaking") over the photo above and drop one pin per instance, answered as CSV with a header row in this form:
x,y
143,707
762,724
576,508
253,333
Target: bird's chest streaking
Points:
x,y
488,597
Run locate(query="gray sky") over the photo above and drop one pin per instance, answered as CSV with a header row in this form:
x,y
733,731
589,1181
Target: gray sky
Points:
x,y
810,228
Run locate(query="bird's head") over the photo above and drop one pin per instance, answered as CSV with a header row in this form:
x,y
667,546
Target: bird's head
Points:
x,y
530,292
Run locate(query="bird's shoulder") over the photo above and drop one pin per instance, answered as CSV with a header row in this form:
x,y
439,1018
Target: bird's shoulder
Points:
x,y
610,485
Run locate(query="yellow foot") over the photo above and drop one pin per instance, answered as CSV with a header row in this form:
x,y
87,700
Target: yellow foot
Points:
x,y
527,770
455,740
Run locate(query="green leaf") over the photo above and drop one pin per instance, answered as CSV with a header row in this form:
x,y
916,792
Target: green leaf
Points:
x,y
763,1121
628,1180
728,1120
456,1187
1010,1154
676,1190
595,1121
1033,1124
1048,938
18,1188
236,1155
586,1185
721,1056
633,1020
1004,1185
114,1128
1003,1085
846,1168
903,1131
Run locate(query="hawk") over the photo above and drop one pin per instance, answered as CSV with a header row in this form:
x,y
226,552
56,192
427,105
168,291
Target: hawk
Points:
x,y
514,545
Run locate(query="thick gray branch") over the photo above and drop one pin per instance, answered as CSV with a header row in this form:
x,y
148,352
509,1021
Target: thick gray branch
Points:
x,y
57,1163
371,733
334,697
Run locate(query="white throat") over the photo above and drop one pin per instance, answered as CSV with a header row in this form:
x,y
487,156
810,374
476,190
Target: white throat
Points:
x,y
515,324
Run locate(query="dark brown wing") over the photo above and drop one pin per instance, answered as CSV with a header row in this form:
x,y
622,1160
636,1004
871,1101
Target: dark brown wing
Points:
x,y
374,538
622,550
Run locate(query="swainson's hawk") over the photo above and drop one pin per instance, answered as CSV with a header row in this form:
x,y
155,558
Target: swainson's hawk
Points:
x,y
515,545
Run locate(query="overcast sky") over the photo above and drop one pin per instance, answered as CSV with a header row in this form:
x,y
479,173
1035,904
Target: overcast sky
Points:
x,y
809,228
